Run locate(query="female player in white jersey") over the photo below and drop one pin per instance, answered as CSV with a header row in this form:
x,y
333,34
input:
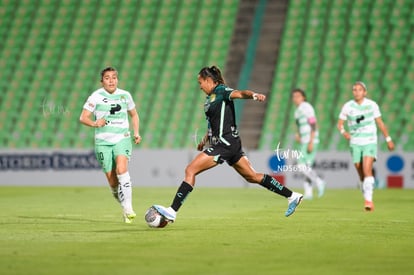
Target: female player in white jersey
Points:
x,y
308,136
363,116
110,107
224,143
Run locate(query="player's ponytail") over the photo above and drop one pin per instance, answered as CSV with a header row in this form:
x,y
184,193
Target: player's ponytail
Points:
x,y
213,72
217,75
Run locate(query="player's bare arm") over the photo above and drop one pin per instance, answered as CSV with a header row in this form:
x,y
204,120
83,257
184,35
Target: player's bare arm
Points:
x,y
384,131
297,136
312,136
135,125
85,118
312,123
341,129
203,142
247,94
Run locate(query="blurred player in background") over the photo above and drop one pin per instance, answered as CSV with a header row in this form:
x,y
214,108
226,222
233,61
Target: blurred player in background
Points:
x,y
110,107
224,143
363,116
308,136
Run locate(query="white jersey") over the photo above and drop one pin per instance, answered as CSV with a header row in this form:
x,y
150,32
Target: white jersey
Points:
x,y
114,109
361,121
305,113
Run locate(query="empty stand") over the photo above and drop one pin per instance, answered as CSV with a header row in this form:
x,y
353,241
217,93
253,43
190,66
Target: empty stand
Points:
x,y
53,52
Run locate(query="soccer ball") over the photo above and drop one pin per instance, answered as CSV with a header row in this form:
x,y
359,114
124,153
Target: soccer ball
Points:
x,y
154,218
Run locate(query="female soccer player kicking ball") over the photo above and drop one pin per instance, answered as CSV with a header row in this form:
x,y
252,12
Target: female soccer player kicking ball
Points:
x,y
111,107
363,116
224,143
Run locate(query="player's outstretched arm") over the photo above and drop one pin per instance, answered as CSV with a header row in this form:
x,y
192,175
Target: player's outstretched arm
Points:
x,y
247,94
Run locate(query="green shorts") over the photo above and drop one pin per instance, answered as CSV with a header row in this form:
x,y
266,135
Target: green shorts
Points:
x,y
106,154
360,151
307,158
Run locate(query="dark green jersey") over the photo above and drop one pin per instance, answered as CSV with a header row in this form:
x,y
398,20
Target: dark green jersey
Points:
x,y
221,118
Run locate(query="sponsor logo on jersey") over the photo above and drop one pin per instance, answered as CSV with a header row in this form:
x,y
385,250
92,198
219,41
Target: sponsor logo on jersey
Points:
x,y
212,98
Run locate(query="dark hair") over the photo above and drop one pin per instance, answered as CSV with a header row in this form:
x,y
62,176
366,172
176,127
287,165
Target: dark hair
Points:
x,y
213,72
108,69
298,90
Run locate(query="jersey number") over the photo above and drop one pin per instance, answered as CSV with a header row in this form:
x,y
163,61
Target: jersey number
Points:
x,y
100,156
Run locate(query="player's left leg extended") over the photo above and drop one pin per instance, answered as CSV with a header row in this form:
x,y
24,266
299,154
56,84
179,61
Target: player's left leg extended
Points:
x,y
244,168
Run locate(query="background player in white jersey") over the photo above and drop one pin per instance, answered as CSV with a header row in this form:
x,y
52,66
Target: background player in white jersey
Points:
x,y
363,116
110,107
308,136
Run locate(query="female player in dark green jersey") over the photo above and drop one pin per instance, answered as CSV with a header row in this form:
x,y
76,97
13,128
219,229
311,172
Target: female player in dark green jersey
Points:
x,y
224,143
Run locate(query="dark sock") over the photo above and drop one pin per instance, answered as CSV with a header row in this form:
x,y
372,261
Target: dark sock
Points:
x,y
181,195
275,186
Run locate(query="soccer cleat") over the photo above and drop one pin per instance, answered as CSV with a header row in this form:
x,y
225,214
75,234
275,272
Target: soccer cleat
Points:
x,y
168,213
369,206
128,217
294,200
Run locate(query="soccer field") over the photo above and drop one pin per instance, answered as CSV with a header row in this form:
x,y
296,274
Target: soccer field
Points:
x,y
75,230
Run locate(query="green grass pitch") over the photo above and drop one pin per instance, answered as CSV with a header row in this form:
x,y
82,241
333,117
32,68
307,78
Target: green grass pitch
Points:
x,y
76,230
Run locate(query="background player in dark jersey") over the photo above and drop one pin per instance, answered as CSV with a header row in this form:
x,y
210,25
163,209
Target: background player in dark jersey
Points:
x,y
224,143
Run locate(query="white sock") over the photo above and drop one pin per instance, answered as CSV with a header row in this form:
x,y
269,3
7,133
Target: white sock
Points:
x,y
307,189
368,188
125,192
319,183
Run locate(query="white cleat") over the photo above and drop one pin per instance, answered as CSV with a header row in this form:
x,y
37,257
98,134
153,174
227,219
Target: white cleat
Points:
x,y
168,213
294,200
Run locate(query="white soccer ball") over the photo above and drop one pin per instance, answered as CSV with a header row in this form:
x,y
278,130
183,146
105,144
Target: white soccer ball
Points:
x,y
154,219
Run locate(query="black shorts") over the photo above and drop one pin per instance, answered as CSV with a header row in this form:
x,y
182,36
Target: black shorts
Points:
x,y
230,153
